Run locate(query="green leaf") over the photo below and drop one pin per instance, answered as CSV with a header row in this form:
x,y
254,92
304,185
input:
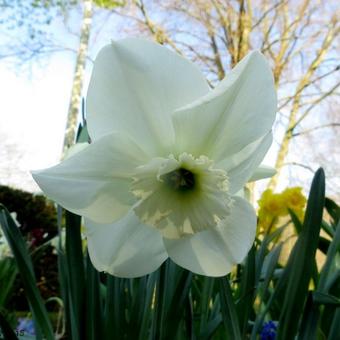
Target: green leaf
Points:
x,y
62,273
113,326
300,264
210,328
228,310
25,268
137,306
268,271
296,222
147,310
333,209
244,305
8,273
204,298
309,323
189,318
175,296
75,274
7,331
93,306
327,228
261,253
335,327
160,300
82,134
325,299
332,250
323,244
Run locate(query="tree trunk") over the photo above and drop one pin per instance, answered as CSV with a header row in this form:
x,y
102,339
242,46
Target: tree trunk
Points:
x,y
78,78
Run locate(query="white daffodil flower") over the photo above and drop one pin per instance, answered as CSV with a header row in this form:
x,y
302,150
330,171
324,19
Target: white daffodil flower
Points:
x,y
168,155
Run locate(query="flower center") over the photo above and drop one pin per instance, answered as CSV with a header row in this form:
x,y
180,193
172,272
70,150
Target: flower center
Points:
x,y
181,196
180,179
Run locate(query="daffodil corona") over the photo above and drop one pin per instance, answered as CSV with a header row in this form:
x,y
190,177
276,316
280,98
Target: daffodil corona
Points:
x,y
167,157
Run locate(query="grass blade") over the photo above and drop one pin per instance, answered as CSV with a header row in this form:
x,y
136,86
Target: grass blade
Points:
x,y
93,306
7,331
228,309
332,250
309,323
270,266
335,327
114,324
75,275
25,268
147,310
244,305
300,266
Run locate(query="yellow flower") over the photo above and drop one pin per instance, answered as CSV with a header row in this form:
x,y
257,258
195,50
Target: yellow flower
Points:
x,y
271,206
294,200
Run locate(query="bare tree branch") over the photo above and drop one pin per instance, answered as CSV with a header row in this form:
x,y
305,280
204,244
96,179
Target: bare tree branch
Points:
x,y
330,125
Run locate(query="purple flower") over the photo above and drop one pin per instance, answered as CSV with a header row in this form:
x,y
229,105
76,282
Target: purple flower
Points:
x,y
26,325
268,331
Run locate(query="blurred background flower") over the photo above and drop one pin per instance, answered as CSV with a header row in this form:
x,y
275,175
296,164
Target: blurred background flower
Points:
x,y
25,327
273,206
268,331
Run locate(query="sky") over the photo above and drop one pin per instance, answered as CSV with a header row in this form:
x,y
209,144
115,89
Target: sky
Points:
x,y
33,108
32,118
35,97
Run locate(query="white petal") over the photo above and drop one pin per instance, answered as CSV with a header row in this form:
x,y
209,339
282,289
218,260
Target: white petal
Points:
x,y
95,182
135,85
74,149
238,111
213,252
126,248
241,166
262,172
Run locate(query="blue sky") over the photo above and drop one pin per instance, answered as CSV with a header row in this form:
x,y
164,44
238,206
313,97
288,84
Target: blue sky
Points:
x,y
34,104
32,117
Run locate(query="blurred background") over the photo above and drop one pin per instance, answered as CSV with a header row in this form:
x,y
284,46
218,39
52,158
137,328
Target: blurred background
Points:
x,y
47,48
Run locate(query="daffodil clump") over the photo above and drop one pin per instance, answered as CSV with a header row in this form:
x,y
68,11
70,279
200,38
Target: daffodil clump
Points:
x,y
272,206
167,159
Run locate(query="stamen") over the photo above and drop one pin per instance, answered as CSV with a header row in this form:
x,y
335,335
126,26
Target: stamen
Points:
x,y
180,179
181,196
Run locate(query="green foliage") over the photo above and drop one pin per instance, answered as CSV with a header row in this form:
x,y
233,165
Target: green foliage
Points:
x,y
8,273
172,303
33,211
25,268
7,331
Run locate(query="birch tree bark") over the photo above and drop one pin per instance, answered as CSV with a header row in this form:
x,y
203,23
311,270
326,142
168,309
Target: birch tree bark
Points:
x,y
78,78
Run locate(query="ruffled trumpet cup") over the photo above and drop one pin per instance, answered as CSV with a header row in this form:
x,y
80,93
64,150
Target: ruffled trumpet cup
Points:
x,y
168,155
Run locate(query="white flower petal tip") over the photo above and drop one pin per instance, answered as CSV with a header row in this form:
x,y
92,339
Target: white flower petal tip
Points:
x,y
95,181
263,172
74,149
215,251
240,110
126,248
